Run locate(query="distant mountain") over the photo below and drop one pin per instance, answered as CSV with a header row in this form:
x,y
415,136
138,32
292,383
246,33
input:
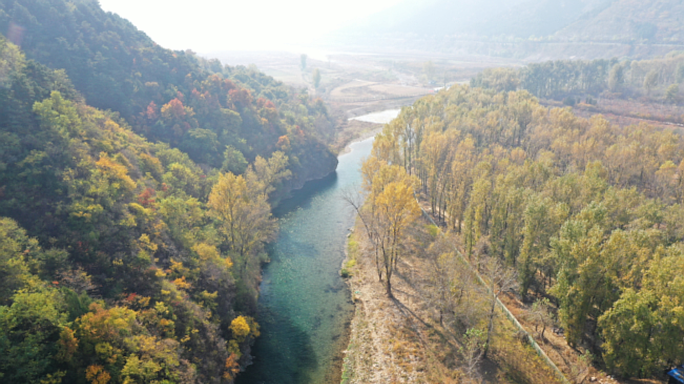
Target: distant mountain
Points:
x,y
522,28
660,21
518,18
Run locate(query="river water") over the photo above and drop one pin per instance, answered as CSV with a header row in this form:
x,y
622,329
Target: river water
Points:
x,y
305,306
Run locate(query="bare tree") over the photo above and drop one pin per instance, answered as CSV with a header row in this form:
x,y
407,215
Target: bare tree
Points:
x,y
501,279
355,200
541,315
473,352
450,287
580,370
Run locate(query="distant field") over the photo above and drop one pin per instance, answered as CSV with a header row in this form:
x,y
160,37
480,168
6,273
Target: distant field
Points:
x,y
359,89
366,82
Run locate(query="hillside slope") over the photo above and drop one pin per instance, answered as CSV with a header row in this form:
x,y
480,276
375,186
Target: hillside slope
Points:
x,y
132,234
438,18
657,21
175,97
524,29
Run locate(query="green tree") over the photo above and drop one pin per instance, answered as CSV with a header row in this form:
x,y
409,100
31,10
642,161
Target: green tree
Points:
x,y
234,161
616,78
31,346
316,76
14,271
672,93
302,61
643,329
650,81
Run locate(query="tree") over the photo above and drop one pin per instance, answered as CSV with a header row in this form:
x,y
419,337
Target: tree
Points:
x,y
643,329
616,78
234,161
541,315
473,351
396,208
30,337
650,81
265,176
390,207
501,279
14,271
540,224
302,61
243,215
499,79
429,71
355,200
672,93
316,76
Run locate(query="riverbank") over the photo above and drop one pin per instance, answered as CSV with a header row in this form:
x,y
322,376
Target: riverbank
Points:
x,y
365,135
353,131
389,341
362,127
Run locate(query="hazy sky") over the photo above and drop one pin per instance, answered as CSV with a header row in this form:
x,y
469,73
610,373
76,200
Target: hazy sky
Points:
x,y
211,25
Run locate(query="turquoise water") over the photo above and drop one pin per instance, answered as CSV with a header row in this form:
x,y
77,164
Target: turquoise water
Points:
x,y
304,306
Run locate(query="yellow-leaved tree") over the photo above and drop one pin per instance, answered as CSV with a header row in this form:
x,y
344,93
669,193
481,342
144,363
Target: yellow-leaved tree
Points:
x,y
396,208
389,209
243,215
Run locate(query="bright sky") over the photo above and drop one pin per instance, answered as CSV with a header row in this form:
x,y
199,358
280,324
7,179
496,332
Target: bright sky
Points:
x,y
211,25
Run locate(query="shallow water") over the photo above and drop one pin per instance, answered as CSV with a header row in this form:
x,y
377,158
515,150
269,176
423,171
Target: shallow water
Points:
x,y
382,117
304,305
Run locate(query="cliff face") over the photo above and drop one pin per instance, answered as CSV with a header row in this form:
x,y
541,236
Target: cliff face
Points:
x,y
316,162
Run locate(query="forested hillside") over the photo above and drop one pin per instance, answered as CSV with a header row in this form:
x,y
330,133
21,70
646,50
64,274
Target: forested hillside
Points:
x,y
136,186
198,106
588,215
629,20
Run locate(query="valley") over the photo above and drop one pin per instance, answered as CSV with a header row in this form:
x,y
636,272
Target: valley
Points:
x,y
432,192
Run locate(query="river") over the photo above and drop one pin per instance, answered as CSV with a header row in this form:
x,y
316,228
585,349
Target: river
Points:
x,y
304,305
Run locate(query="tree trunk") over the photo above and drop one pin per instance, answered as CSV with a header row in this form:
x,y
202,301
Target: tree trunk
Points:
x,y
491,327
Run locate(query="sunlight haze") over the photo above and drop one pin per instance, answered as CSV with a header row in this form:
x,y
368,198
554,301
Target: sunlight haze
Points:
x,y
206,26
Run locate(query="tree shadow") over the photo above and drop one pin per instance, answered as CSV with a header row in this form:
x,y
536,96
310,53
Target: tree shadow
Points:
x,y
303,197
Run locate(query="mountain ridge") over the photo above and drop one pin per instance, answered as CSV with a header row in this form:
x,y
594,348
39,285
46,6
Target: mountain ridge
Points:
x,y
522,29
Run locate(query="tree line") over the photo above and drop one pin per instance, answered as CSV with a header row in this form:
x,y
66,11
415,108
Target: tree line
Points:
x,y
657,79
